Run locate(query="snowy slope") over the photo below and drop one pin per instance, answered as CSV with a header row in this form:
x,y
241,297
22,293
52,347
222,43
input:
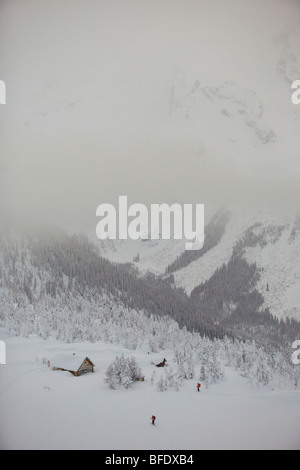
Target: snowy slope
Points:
x,y
153,255
280,271
43,409
275,250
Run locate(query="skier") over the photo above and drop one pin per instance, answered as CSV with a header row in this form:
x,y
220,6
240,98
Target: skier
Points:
x,y
198,387
153,418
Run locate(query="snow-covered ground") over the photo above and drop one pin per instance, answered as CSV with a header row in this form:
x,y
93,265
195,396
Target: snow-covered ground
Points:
x,y
45,409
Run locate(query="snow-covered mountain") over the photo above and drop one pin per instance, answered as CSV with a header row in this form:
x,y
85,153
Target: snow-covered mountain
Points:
x,y
268,238
229,140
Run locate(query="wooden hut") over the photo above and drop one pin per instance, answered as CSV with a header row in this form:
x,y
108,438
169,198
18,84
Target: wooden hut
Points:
x,y
77,365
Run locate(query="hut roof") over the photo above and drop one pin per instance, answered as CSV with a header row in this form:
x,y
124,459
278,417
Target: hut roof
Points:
x,y
69,362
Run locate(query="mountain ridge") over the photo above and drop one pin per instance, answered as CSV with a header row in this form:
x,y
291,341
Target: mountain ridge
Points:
x,y
268,238
48,275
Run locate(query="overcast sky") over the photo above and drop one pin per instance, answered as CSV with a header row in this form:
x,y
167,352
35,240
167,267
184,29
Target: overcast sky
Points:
x,y
89,91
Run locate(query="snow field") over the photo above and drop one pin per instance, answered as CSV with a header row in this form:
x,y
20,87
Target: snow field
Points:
x,y
45,409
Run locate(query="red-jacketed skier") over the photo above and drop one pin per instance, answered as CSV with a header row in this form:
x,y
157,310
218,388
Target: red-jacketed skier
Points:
x,y
198,387
153,418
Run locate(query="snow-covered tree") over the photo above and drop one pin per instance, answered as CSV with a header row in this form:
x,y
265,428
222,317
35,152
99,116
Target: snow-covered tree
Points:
x,y
123,371
162,384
